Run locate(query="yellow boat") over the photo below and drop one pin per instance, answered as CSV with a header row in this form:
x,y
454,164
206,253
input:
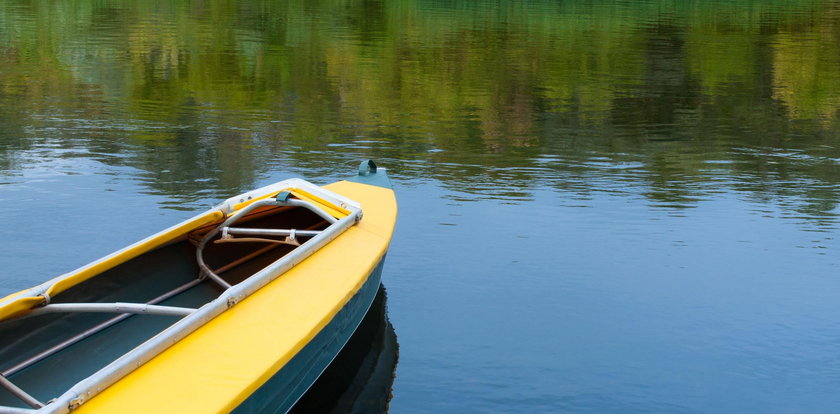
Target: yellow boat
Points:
x,y
238,309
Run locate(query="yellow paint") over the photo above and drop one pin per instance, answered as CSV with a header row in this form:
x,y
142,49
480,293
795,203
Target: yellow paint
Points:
x,y
20,306
334,210
218,366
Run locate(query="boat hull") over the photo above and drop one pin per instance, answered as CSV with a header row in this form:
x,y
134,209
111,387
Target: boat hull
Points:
x,y
255,343
237,361
282,390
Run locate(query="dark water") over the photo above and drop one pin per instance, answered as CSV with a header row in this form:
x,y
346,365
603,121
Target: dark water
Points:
x,y
606,206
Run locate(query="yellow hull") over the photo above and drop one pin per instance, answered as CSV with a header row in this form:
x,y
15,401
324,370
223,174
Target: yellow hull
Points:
x,y
221,361
218,366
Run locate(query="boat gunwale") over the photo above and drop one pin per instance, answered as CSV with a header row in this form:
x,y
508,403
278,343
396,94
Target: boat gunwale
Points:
x,y
128,362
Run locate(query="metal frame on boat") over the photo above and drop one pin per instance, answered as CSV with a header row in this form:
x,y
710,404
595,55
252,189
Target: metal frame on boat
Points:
x,y
339,211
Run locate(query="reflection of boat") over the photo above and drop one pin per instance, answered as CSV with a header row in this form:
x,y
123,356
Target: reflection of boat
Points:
x,y
245,306
360,378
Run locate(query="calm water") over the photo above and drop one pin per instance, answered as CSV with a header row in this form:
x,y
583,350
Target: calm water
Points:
x,y
605,206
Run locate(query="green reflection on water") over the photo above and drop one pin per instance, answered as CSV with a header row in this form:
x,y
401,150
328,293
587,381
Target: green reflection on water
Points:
x,y
669,100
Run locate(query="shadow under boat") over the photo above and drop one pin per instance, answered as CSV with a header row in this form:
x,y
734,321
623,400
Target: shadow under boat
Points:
x,y
361,377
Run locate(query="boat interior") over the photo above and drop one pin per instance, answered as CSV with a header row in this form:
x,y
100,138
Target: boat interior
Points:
x,y
44,354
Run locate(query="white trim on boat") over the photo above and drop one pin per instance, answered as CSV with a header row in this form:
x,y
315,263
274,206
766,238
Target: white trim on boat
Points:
x,y
118,307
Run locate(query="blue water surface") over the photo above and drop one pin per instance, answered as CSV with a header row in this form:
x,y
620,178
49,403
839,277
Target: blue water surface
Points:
x,y
605,206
